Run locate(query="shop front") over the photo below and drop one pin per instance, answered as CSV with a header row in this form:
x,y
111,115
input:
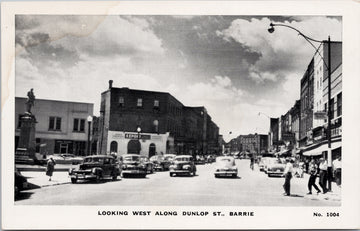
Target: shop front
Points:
x,y
147,144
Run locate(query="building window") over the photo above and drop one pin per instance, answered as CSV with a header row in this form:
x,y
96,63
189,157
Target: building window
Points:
x,y
121,101
55,123
339,104
156,103
139,102
79,125
332,109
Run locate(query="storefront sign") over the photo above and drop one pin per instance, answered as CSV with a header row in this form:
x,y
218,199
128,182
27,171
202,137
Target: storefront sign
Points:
x,y
137,136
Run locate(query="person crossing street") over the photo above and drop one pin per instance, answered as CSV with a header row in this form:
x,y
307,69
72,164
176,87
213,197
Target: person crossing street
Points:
x,y
288,175
312,178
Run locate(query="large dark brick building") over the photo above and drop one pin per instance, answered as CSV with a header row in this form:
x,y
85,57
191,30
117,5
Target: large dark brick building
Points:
x,y
146,122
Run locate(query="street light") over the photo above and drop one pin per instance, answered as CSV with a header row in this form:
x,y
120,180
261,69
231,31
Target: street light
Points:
x,y
138,129
271,29
89,120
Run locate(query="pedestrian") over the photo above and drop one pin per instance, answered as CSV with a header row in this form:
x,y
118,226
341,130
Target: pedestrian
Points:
x,y
312,178
50,167
252,160
288,175
323,174
337,170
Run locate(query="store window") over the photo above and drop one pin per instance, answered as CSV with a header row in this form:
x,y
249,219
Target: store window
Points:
x,y
156,103
54,123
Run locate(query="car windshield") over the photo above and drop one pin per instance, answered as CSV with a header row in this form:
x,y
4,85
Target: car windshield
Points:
x,y
156,158
182,159
169,158
274,161
94,160
131,158
226,161
143,158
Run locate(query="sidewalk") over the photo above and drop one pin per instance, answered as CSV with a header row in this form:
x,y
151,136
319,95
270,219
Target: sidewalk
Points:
x,y
40,168
334,195
40,179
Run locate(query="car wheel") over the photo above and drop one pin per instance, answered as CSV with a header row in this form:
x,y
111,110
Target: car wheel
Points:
x,y
143,176
194,173
269,175
216,176
73,180
171,174
98,178
73,163
114,177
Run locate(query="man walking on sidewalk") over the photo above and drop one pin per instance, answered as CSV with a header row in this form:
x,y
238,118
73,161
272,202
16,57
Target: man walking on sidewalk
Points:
x,y
312,178
50,167
323,174
288,175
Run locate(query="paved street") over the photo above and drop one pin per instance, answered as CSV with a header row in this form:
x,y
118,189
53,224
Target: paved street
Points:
x,y
251,188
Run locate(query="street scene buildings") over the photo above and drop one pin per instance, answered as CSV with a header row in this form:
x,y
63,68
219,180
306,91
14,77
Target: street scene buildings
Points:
x,y
161,97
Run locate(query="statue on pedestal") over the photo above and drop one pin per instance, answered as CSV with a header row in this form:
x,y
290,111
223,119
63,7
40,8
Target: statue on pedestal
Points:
x,y
30,101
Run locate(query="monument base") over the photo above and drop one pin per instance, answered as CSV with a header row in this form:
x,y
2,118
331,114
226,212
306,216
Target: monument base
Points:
x,y
25,152
22,156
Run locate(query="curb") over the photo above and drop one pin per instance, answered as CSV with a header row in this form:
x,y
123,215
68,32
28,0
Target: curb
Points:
x,y
48,185
41,169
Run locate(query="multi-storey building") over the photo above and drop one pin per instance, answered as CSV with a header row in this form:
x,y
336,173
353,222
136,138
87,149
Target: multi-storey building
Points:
x,y
148,122
253,143
295,122
61,126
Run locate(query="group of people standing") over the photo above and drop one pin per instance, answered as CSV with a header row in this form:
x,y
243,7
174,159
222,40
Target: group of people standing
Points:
x,y
314,169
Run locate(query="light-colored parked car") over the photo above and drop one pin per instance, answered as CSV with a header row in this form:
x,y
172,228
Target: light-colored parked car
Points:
x,y
183,165
132,166
275,167
148,165
66,159
225,166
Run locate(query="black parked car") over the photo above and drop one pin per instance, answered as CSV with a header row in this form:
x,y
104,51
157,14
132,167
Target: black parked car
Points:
x,y
96,168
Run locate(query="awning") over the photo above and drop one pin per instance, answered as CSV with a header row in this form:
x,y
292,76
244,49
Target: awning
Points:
x,y
324,147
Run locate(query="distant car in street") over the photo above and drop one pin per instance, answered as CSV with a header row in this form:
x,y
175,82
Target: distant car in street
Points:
x,y
263,162
225,166
169,157
275,167
20,183
147,163
133,166
160,163
183,165
200,160
66,159
96,168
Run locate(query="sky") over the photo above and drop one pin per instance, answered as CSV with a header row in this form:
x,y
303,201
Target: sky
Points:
x,y
231,65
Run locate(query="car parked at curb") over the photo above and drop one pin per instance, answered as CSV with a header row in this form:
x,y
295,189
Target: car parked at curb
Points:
x,y
183,165
132,166
96,167
225,166
20,183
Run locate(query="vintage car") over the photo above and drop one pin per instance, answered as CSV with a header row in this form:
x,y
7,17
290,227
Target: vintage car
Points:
x,y
20,183
263,162
160,163
96,168
183,165
66,159
225,166
200,160
148,165
169,157
275,167
132,166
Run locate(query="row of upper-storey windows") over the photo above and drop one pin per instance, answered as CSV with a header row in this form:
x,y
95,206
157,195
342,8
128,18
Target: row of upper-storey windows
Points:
x,y
139,102
55,124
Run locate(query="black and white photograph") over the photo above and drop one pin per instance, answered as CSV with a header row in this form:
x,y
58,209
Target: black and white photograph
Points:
x,y
166,110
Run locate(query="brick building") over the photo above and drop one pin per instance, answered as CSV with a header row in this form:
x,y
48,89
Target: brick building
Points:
x,y
149,122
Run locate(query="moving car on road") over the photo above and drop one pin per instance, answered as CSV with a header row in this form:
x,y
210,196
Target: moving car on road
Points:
x,y
133,166
96,168
20,183
275,167
225,166
160,163
66,159
148,165
183,165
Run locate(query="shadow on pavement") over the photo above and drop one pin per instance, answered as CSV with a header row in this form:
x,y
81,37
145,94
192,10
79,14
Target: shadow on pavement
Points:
x,y
228,177
295,195
23,195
